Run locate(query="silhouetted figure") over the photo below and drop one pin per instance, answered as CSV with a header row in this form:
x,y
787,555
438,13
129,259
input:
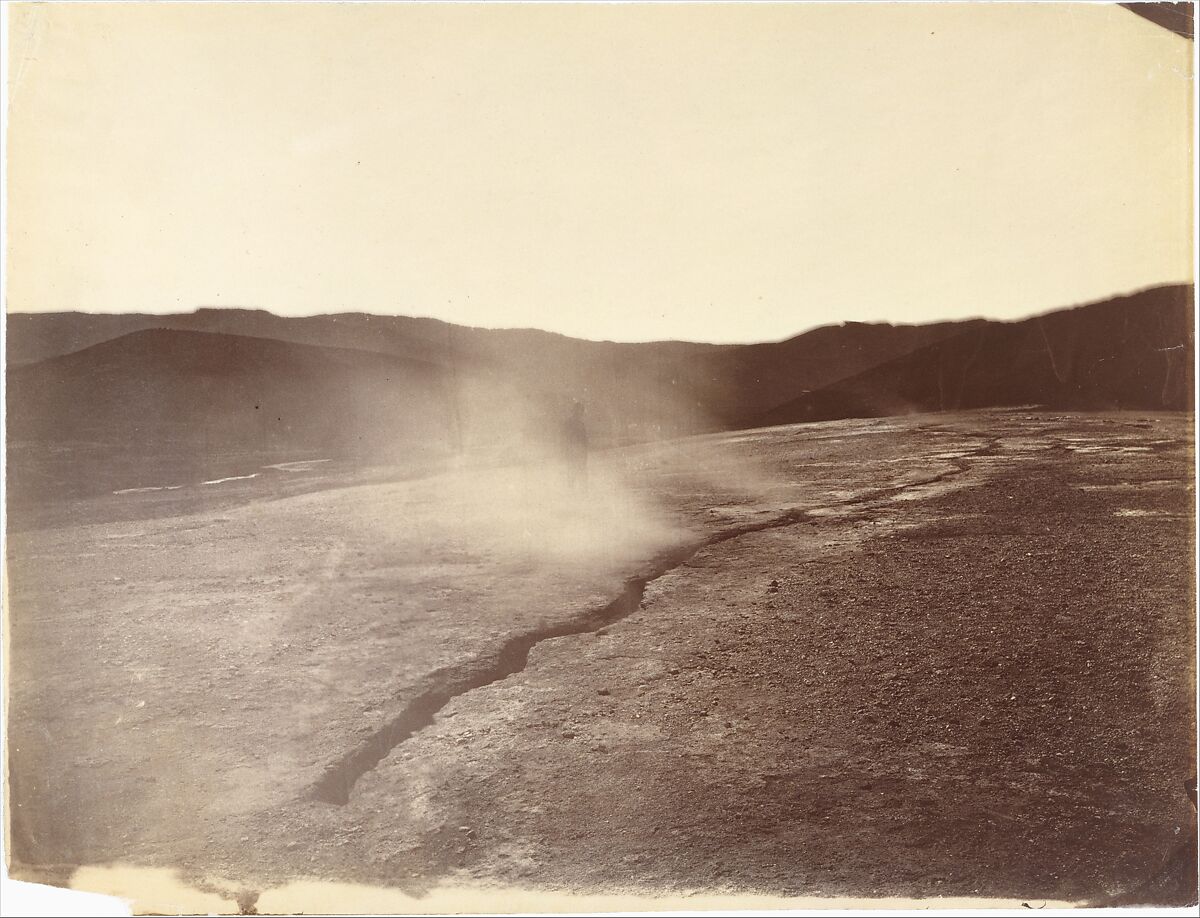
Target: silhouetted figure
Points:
x,y
575,447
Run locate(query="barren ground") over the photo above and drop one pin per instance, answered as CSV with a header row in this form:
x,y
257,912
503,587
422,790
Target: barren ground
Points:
x,y
935,656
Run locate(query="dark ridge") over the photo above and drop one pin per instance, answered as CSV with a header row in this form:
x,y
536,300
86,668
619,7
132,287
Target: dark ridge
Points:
x,y
1131,352
121,401
188,405
495,381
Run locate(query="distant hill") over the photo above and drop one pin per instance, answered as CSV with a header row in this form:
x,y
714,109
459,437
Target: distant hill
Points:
x,y
1131,352
188,390
217,389
38,336
632,391
107,415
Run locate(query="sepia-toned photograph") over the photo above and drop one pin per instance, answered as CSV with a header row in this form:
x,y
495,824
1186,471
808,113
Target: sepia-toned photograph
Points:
x,y
599,457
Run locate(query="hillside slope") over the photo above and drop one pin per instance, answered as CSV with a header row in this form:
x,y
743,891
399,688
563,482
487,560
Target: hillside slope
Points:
x,y
200,390
170,404
160,407
1131,352
633,391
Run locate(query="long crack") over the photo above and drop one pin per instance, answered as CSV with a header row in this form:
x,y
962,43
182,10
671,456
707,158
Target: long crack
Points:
x,y
339,778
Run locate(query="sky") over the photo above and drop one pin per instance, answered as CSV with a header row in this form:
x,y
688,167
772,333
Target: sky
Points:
x,y
626,172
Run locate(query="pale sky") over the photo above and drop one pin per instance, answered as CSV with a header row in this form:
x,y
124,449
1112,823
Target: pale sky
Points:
x,y
714,173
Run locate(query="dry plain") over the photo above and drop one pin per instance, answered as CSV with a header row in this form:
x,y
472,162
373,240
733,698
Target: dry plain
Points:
x,y
922,657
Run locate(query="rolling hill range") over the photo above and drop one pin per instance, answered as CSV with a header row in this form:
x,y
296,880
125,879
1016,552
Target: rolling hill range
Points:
x,y
134,390
161,407
632,390
195,390
1133,352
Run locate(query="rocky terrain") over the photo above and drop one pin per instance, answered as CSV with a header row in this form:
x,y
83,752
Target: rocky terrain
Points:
x,y
936,658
